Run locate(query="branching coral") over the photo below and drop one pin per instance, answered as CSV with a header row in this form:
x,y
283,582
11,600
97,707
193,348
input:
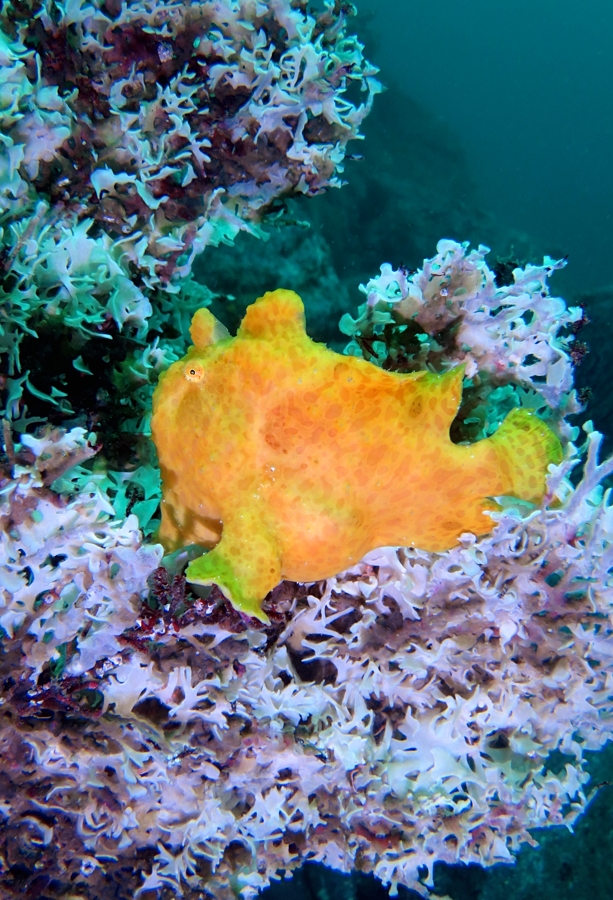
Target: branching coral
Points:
x,y
417,707
135,133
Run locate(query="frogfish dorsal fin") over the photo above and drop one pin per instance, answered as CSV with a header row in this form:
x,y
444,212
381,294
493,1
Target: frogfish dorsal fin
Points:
x,y
206,330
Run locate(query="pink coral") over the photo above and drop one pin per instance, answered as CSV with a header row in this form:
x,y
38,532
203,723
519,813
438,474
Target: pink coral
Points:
x,y
512,332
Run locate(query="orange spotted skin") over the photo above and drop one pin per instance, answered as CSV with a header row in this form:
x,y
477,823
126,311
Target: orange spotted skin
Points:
x,y
293,461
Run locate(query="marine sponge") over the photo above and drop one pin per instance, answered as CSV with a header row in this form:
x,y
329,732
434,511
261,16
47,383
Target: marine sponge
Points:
x,y
307,459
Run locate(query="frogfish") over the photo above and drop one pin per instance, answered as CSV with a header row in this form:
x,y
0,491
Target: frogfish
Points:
x,y
290,461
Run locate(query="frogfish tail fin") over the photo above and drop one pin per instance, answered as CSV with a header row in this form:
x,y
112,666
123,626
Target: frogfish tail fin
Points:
x,y
526,446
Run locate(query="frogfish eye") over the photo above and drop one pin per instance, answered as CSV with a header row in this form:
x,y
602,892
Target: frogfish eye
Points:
x,y
194,371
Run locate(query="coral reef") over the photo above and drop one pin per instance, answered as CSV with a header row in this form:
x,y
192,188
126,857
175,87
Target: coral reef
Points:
x,y
413,184
296,254
410,185
69,567
417,707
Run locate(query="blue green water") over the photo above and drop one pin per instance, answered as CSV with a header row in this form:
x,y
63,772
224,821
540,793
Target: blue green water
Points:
x,y
527,90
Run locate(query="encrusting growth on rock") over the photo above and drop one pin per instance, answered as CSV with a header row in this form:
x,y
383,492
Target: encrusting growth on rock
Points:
x,y
293,461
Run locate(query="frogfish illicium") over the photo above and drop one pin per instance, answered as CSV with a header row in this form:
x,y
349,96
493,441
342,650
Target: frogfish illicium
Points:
x,y
291,461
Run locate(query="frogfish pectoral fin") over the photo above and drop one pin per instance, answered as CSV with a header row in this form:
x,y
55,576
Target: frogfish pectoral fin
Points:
x,y
245,565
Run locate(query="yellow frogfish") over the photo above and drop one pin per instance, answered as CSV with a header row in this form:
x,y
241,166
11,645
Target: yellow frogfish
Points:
x,y
290,461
